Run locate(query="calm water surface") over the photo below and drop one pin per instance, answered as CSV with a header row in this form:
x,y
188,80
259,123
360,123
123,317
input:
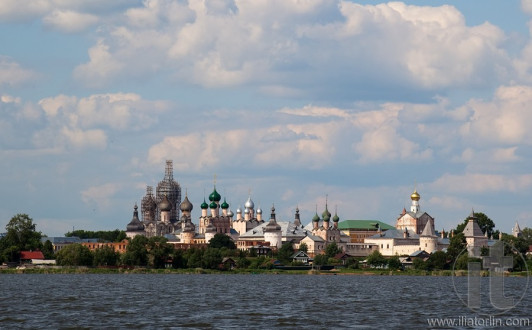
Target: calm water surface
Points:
x,y
232,301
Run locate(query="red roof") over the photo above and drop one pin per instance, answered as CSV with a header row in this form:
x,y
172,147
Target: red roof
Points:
x,y
27,255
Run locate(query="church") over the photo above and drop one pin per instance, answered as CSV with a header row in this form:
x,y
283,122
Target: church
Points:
x,y
414,231
164,214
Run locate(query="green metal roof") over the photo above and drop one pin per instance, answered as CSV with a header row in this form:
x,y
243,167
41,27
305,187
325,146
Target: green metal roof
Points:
x,y
363,225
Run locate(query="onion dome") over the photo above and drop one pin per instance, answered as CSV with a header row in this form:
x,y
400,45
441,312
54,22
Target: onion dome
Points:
x,y
249,203
326,218
238,210
215,196
326,213
135,224
415,196
246,211
230,213
225,205
204,205
316,218
336,218
213,205
259,211
186,205
165,205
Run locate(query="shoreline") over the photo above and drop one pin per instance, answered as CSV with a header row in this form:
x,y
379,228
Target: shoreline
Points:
x,y
200,271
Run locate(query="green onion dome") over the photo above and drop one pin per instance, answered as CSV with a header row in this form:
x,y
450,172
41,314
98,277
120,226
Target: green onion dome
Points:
x,y
215,196
225,205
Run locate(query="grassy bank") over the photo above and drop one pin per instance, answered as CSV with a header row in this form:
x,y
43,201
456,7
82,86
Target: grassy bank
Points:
x,y
342,271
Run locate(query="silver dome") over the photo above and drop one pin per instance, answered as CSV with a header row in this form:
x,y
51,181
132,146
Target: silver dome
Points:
x,y
249,203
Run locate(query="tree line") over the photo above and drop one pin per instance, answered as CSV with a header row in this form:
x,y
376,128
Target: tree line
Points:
x,y
102,236
22,235
156,252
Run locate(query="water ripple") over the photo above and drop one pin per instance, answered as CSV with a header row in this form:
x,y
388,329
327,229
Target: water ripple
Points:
x,y
175,301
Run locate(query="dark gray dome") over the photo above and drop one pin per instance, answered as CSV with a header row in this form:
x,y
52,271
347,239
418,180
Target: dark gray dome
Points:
x,y
165,205
186,205
135,224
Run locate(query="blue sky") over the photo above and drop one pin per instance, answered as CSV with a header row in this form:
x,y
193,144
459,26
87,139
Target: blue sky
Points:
x,y
291,100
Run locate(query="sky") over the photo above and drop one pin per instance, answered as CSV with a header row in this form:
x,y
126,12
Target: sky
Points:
x,y
291,102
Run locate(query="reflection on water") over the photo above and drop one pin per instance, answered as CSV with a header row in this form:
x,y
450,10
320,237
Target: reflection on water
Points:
x,y
232,301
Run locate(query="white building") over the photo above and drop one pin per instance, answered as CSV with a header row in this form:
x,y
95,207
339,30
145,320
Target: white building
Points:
x,y
408,236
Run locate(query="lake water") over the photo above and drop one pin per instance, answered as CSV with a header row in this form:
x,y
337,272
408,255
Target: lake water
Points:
x,y
234,301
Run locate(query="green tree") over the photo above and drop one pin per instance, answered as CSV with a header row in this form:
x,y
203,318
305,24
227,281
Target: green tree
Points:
x,y
320,260
136,253
159,251
194,257
376,260
105,256
261,263
457,244
222,240
419,263
48,250
20,236
178,259
352,263
332,249
102,236
438,260
526,234
394,263
303,247
74,255
212,258
243,262
517,248
285,252
518,243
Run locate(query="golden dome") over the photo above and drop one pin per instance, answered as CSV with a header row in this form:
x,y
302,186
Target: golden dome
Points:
x,y
415,196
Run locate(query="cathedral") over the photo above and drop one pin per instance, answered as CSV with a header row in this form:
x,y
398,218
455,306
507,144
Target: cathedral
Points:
x,y
415,220
160,213
220,216
414,231
250,220
163,214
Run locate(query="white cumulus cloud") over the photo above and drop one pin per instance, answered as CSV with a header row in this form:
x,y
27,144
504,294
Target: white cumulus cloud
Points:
x,y
504,120
13,74
328,46
100,196
69,21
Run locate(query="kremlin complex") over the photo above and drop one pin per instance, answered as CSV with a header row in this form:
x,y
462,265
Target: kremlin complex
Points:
x,y
165,214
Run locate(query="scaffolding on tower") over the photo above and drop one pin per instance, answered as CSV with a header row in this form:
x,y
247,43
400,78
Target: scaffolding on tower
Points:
x,y
172,190
148,206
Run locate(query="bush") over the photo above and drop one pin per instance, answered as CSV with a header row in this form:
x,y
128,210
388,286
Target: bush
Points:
x,y
74,255
394,263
